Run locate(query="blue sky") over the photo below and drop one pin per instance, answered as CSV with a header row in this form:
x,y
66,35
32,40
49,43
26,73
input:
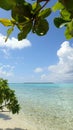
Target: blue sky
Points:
x,y
36,59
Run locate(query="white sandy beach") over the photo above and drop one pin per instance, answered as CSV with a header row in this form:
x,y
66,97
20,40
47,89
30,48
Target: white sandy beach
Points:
x,y
14,122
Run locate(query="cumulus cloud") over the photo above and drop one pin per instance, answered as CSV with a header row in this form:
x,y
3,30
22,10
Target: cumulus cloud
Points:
x,y
6,70
63,70
13,43
38,70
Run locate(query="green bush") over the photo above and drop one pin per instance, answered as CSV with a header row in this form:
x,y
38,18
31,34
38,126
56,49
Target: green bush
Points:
x,y
8,100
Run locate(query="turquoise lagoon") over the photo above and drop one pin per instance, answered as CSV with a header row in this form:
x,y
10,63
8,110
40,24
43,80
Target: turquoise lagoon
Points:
x,y
48,106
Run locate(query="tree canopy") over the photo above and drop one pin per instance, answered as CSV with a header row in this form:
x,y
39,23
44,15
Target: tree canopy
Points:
x,y
8,100
33,16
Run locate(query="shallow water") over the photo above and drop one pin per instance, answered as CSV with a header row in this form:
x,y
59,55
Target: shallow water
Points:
x,y
49,106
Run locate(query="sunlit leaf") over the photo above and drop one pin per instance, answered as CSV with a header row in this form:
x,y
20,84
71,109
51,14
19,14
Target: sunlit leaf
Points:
x,y
36,6
57,6
9,31
69,30
5,22
45,13
65,14
67,34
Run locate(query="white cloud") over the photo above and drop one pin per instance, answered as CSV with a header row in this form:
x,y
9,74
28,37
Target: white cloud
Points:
x,y
6,70
38,70
5,52
63,70
13,43
43,77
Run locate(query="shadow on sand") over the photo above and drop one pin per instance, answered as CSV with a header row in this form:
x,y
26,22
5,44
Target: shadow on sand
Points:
x,y
5,117
13,129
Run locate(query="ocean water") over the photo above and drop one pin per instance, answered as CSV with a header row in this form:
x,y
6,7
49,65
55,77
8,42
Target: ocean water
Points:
x,y
48,106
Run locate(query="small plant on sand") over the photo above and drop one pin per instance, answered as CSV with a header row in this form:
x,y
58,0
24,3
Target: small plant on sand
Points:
x,y
8,100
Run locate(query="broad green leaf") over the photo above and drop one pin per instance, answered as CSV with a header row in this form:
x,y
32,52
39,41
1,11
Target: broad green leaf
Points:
x,y
59,22
36,6
68,4
22,12
67,34
57,6
25,30
5,22
69,30
7,4
41,27
45,13
9,31
27,6
66,15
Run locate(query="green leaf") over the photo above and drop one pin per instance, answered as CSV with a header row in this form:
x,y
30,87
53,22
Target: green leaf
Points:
x,y
25,30
7,4
66,15
9,31
69,30
59,22
5,22
36,6
22,12
67,34
41,27
45,13
27,6
18,13
68,4
57,6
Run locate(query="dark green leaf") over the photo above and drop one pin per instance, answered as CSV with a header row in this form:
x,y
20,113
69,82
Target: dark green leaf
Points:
x,y
59,22
7,4
41,27
25,30
68,4
27,6
21,12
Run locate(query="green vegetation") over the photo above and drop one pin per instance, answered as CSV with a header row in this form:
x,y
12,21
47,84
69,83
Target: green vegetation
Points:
x,y
32,16
8,100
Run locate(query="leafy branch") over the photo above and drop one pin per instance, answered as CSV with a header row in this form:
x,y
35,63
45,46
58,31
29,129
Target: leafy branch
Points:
x,y
8,100
35,14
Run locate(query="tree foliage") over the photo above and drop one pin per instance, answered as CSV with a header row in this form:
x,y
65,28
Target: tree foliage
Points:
x,y
33,16
8,100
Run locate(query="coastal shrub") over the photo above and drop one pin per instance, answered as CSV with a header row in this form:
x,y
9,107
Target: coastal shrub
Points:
x,y
8,99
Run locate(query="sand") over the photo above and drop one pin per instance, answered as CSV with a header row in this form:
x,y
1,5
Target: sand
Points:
x,y
9,121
